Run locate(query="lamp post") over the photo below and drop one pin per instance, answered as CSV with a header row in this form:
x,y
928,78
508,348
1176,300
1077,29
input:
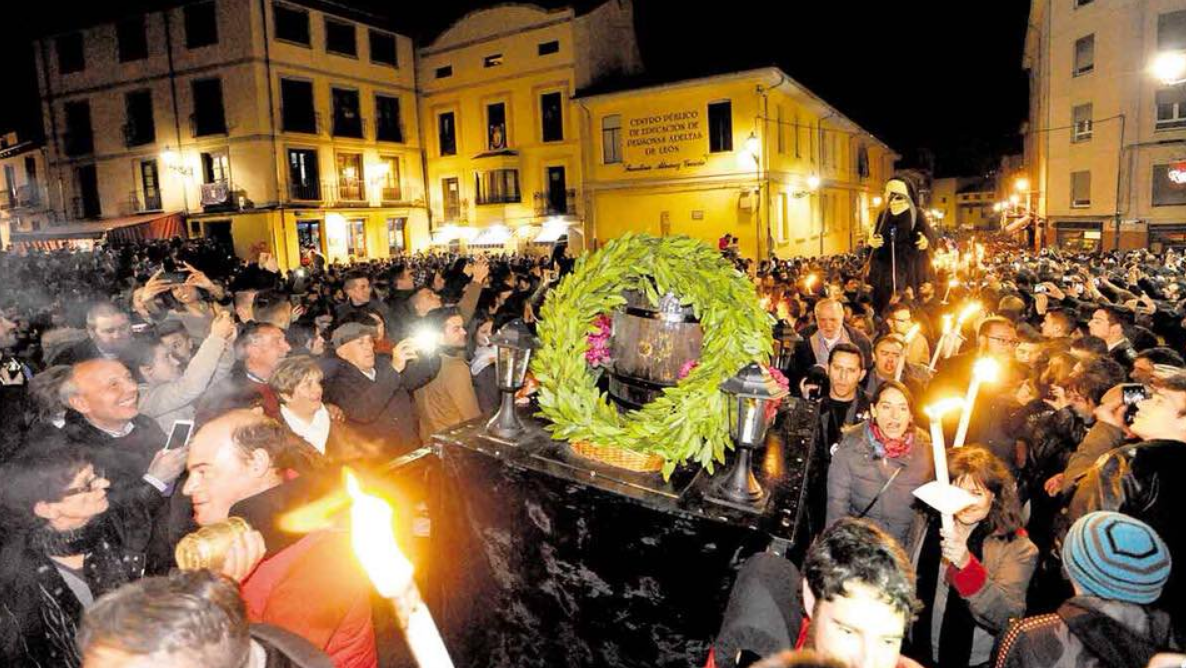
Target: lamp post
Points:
x,y
749,391
515,343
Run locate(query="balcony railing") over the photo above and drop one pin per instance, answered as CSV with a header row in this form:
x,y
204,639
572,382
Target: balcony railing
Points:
x,y
346,127
305,192
346,191
205,126
217,193
142,202
30,196
544,206
82,208
391,132
391,194
309,126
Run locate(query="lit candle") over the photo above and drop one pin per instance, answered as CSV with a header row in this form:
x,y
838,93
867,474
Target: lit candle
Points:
x,y
936,412
985,370
390,571
913,332
942,340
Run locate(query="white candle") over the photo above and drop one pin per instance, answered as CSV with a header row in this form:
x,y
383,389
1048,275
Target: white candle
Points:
x,y
906,349
942,340
939,446
985,370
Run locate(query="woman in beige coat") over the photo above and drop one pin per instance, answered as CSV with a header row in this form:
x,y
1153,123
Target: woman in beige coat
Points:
x,y
973,579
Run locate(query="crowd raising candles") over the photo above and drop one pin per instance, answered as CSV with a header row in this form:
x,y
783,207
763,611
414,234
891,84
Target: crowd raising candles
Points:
x,y
996,438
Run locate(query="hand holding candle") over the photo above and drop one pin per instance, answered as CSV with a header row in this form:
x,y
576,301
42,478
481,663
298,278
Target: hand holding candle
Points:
x,y
935,413
910,335
942,340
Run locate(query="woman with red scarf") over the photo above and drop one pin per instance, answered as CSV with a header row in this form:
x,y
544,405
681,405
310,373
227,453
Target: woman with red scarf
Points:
x,y
879,463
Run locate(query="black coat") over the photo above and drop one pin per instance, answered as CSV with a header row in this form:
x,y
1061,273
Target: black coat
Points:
x,y
80,351
380,409
803,357
899,263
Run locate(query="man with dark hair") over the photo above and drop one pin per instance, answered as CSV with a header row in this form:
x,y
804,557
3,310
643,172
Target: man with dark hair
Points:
x,y
1141,480
239,466
1144,367
176,338
360,298
888,352
109,331
1108,324
273,308
449,398
858,589
1058,324
901,320
188,619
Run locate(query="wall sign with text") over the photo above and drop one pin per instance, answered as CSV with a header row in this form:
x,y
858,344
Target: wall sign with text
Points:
x,y
666,140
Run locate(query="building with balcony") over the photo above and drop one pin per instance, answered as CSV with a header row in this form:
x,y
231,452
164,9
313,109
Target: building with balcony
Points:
x,y
24,192
501,134
261,123
753,154
1105,143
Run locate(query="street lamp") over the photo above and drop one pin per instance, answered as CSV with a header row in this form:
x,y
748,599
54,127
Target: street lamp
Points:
x,y
515,343
1169,67
1021,185
876,201
749,393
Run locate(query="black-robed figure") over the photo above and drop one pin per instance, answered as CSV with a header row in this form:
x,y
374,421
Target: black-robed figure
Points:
x,y
900,241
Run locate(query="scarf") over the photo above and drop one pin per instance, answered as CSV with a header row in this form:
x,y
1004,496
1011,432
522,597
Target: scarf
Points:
x,y
66,543
893,448
958,627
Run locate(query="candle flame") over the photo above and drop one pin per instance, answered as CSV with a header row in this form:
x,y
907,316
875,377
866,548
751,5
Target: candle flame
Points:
x,y
947,323
953,283
373,538
986,369
969,311
940,408
810,281
913,332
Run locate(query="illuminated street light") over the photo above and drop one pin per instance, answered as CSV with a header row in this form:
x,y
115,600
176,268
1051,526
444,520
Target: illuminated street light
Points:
x,y
1021,185
1169,67
877,200
813,182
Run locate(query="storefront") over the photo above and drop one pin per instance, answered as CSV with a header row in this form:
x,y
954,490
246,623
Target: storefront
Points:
x,y
1163,236
1079,235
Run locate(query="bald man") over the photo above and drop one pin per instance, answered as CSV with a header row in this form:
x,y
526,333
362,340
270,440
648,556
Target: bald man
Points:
x,y
102,414
240,465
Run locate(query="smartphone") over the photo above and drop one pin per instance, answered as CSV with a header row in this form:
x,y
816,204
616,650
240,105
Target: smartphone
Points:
x,y
1040,289
1095,282
179,434
141,327
1132,394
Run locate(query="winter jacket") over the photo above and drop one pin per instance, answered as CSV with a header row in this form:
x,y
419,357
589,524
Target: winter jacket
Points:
x,y
174,400
238,390
1086,632
380,409
309,585
1144,481
857,474
448,399
994,587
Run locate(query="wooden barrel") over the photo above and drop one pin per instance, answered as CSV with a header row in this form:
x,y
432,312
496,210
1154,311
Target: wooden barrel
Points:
x,y
650,344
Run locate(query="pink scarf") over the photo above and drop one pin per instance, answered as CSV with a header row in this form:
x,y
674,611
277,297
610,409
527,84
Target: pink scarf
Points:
x,y
894,447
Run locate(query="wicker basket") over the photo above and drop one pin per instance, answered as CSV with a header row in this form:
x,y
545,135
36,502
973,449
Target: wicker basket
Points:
x,y
622,458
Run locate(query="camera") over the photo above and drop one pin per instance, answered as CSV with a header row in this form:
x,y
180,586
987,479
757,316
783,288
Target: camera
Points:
x,y
1132,394
817,383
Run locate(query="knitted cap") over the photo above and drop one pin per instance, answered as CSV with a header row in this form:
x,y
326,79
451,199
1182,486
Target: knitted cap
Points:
x,y
1117,557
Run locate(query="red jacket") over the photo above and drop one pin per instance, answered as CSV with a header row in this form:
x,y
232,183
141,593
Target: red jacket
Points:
x,y
316,589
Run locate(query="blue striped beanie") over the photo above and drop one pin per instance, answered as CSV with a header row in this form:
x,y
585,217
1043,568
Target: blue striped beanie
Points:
x,y
1117,557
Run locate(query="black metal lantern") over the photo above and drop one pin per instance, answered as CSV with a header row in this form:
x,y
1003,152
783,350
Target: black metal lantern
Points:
x,y
749,393
785,338
514,342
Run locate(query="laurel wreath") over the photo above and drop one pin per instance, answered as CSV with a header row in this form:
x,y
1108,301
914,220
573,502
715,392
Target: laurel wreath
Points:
x,y
687,422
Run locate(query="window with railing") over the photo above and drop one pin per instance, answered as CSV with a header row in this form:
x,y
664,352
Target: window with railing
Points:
x,y
497,186
1081,129
387,119
351,185
390,190
304,180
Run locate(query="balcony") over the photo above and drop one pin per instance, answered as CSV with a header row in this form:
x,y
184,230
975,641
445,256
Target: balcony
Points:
x,y
30,196
391,194
545,206
144,202
7,200
389,132
485,199
346,191
218,195
304,192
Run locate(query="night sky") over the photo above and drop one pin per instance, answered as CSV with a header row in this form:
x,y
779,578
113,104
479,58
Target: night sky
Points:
x,y
926,76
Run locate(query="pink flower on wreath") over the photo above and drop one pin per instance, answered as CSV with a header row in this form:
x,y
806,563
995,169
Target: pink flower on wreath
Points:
x,y
687,368
598,350
772,407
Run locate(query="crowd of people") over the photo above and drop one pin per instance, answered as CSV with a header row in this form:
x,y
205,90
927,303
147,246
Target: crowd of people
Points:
x,y
111,355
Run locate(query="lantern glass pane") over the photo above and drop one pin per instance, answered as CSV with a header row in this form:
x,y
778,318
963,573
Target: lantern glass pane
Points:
x,y
506,368
752,421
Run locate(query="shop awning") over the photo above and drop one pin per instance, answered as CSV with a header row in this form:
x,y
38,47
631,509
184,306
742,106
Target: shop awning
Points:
x,y
127,228
551,232
495,235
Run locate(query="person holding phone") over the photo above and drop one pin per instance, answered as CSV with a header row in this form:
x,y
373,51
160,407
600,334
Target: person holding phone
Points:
x,y
169,390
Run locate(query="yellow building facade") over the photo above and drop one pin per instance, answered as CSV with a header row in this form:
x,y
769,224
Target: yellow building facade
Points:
x,y
752,154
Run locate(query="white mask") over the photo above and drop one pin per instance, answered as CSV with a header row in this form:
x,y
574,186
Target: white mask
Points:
x,y
897,205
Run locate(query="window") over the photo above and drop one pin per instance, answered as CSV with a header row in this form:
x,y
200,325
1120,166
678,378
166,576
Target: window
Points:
x,y
87,202
496,126
383,49
79,139
387,120
201,25
784,218
150,185
1171,31
797,154
1081,123
139,127
497,186
391,191
350,177
863,162
340,38
548,48
1171,108
396,243
1084,55
611,139
780,142
209,117
444,72
303,174
451,194
70,53
131,40
493,60
447,133
356,238
297,111
216,167
552,116
292,24
823,146
1169,184
1080,189
1082,3
347,120
720,127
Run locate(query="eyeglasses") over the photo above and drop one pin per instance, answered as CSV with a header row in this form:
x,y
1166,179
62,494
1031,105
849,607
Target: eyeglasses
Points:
x,y
91,485
1012,343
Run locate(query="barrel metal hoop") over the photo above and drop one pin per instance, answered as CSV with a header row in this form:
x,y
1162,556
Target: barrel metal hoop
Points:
x,y
656,315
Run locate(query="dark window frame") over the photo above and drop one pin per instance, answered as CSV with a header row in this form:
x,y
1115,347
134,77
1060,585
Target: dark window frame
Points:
x,y
291,116
139,131
292,13
451,144
720,140
71,52
78,138
195,38
343,125
131,46
372,34
444,72
309,188
330,48
389,132
551,130
215,126
547,48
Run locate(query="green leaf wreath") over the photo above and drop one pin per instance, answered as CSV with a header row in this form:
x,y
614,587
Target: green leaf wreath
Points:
x,y
688,421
